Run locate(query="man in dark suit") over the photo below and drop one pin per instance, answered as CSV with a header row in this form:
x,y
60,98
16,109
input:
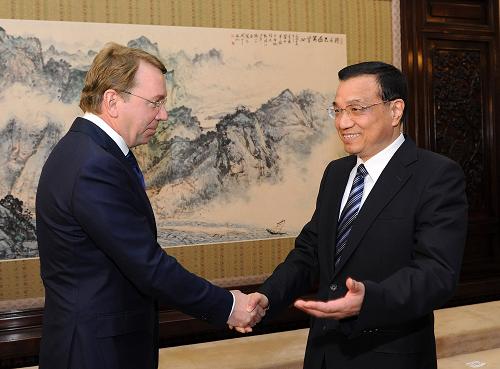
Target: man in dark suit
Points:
x,y
385,243
103,270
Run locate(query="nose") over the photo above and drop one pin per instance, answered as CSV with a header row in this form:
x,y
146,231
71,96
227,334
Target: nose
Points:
x,y
162,113
343,120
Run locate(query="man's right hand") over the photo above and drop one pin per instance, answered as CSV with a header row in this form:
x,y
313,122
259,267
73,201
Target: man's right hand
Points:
x,y
257,299
248,311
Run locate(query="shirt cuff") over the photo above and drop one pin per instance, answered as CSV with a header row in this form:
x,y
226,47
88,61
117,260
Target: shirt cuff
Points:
x,y
232,307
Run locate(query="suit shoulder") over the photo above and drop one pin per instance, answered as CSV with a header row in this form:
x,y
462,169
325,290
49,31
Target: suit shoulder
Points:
x,y
433,161
342,162
434,157
337,168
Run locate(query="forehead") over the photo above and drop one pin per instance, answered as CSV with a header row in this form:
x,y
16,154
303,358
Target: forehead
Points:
x,y
364,88
150,77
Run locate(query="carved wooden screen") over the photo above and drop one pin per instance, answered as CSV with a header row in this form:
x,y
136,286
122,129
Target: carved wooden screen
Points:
x,y
450,53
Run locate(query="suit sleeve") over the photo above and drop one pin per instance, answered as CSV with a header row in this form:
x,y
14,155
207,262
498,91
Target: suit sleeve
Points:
x,y
114,216
430,278
298,273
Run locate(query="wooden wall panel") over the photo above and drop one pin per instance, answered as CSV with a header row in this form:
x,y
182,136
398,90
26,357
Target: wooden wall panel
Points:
x,y
451,55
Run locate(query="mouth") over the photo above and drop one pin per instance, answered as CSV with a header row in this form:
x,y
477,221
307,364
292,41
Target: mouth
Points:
x,y
152,127
350,136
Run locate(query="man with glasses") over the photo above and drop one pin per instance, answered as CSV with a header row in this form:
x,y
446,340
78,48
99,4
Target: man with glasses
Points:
x,y
103,270
385,243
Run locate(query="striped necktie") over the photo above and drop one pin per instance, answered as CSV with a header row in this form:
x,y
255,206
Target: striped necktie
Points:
x,y
350,211
135,167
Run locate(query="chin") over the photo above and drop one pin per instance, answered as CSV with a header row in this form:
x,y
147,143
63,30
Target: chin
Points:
x,y
351,150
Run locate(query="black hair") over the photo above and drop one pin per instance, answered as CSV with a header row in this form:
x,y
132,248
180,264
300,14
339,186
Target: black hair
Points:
x,y
392,82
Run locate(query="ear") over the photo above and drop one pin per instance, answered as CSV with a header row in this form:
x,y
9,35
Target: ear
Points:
x,y
397,109
110,101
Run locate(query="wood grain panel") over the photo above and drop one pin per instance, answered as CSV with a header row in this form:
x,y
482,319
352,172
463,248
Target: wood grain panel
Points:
x,y
454,80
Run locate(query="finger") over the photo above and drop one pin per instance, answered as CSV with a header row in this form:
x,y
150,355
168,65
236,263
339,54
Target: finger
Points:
x,y
252,302
257,314
352,285
330,309
315,305
260,312
255,319
244,329
255,299
264,302
355,287
316,313
299,304
320,313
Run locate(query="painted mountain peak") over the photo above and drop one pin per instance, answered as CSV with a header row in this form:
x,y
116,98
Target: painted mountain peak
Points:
x,y
190,167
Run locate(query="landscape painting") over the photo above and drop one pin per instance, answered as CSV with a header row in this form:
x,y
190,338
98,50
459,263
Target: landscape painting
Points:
x,y
241,154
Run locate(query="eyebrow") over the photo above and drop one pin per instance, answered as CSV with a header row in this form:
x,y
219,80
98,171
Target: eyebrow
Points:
x,y
158,97
350,102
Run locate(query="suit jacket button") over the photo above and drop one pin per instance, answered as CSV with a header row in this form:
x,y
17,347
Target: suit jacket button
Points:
x,y
333,287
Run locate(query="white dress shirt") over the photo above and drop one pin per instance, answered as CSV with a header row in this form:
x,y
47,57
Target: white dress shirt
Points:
x,y
374,166
98,121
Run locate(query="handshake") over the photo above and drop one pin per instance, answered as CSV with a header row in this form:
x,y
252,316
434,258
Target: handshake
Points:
x,y
248,310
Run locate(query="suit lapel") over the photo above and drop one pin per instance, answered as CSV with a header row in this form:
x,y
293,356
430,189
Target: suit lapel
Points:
x,y
338,183
102,139
392,179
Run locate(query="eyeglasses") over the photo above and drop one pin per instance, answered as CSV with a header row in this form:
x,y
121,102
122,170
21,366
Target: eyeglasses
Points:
x,y
157,104
353,111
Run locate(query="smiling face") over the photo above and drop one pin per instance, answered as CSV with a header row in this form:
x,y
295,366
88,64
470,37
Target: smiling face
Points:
x,y
372,129
137,118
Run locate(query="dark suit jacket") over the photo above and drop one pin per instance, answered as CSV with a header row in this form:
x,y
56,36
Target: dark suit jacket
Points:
x,y
101,265
406,246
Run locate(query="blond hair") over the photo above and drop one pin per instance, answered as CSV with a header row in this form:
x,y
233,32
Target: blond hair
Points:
x,y
114,67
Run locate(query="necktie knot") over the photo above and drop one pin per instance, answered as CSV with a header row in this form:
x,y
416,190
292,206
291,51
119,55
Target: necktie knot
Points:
x,y
361,171
131,158
135,167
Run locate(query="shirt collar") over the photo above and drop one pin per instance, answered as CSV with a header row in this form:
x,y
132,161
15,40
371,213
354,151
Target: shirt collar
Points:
x,y
98,121
376,164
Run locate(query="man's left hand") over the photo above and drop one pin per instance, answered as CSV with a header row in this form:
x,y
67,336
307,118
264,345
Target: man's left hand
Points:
x,y
341,308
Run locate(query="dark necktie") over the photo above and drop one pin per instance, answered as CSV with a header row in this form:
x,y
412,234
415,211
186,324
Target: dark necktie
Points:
x,y
135,167
350,211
